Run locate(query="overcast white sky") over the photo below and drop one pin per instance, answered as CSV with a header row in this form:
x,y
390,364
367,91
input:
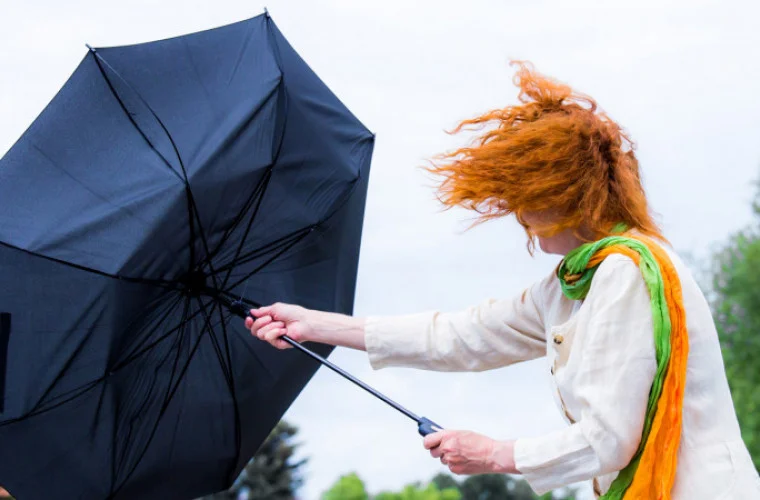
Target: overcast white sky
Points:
x,y
681,76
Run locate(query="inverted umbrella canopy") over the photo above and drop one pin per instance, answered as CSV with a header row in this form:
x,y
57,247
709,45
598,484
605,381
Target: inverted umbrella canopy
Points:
x,y
164,182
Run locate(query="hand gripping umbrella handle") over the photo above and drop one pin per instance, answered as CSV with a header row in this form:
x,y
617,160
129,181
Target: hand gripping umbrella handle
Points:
x,y
425,426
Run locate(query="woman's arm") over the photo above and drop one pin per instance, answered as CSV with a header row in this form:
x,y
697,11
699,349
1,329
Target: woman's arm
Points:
x,y
613,385
493,334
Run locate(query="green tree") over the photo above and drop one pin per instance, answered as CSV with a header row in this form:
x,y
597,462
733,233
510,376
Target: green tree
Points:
x,y
736,309
351,487
348,487
496,486
417,492
443,481
489,487
272,474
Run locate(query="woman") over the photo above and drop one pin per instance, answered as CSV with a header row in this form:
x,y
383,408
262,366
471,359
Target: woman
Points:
x,y
629,337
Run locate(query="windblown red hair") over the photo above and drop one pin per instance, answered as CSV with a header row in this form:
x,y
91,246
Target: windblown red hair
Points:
x,y
552,153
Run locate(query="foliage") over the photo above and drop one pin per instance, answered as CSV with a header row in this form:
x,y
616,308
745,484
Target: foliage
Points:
x,y
416,492
272,474
445,487
736,309
349,487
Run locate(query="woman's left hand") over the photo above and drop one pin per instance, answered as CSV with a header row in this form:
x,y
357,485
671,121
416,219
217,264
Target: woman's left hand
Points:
x,y
466,452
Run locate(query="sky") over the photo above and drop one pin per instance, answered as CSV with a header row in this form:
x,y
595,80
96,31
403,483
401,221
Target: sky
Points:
x,y
680,76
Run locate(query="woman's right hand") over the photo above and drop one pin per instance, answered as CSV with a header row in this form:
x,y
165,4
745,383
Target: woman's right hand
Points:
x,y
272,322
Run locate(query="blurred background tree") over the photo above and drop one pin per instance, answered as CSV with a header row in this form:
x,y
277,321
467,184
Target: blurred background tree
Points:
x,y
496,486
446,487
348,487
273,473
418,492
735,301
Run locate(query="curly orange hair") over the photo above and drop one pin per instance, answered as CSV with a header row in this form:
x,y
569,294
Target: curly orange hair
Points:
x,y
553,153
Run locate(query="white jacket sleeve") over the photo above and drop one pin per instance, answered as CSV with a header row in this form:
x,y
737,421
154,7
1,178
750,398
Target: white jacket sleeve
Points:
x,y
615,357
493,334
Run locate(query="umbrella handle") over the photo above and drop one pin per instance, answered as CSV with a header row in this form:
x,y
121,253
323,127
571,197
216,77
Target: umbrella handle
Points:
x,y
427,426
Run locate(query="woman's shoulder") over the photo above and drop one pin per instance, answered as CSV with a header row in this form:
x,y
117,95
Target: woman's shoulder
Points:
x,y
619,269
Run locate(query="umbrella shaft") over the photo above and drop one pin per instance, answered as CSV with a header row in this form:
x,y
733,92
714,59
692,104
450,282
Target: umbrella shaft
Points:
x,y
351,378
238,309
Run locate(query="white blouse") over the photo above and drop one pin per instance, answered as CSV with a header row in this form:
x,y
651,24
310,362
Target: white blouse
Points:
x,y
601,354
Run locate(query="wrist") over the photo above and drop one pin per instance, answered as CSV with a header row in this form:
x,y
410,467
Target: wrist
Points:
x,y
502,459
327,327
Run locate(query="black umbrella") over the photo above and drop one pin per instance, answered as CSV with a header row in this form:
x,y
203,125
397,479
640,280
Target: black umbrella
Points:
x,y
165,186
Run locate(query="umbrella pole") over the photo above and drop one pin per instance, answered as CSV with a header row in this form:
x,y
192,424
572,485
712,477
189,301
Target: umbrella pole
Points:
x,y
425,426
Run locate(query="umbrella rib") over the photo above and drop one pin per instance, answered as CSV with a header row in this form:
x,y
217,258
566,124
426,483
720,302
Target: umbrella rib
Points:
x,y
281,248
192,208
80,391
144,281
217,348
146,335
116,462
74,393
135,415
233,394
264,183
227,371
93,192
256,196
263,250
245,236
70,359
180,338
150,346
98,58
270,260
162,412
275,244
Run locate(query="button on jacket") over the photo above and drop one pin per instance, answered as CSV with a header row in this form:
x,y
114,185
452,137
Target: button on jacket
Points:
x,y
601,355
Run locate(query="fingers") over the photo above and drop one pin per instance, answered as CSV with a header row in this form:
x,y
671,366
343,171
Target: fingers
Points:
x,y
271,331
281,344
443,446
261,311
255,325
260,326
259,323
458,469
433,440
268,330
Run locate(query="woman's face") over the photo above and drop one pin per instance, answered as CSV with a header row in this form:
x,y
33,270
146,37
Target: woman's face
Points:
x,y
560,243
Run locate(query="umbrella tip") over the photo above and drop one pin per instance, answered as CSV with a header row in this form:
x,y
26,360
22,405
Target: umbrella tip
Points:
x,y
266,12
90,47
